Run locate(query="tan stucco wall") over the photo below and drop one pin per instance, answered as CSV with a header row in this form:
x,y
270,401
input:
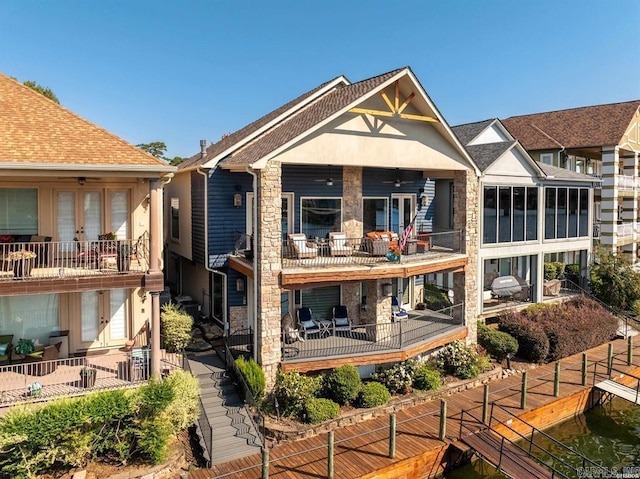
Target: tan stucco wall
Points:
x,y
180,187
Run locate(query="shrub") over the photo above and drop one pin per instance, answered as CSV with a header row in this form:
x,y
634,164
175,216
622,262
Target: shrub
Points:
x,y
497,343
533,342
183,411
459,360
342,384
317,410
550,271
427,379
435,298
373,394
292,390
175,326
398,379
254,377
572,269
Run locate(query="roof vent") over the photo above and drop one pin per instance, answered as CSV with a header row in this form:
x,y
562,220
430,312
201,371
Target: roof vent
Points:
x,y
203,148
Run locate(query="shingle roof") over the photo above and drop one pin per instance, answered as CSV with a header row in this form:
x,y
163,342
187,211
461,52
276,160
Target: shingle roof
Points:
x,y
469,131
36,130
484,155
563,174
589,126
236,137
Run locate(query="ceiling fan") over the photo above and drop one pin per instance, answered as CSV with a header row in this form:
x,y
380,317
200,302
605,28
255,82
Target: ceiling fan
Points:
x,y
398,182
80,179
329,180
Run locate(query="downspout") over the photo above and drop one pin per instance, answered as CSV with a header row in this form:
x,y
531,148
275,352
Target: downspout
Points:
x,y
254,232
206,253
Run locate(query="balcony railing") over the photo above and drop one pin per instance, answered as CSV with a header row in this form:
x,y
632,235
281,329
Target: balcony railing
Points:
x,y
72,259
379,337
316,252
627,229
626,182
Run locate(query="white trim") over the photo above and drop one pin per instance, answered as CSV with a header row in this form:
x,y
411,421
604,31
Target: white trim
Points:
x,y
546,155
77,168
298,106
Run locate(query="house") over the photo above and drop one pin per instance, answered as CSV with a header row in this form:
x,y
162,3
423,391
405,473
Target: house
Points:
x,y
80,228
531,214
306,208
602,141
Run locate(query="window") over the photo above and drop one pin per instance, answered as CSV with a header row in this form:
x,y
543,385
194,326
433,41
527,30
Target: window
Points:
x,y
321,300
374,214
19,211
546,158
510,214
320,216
175,219
120,214
31,317
566,213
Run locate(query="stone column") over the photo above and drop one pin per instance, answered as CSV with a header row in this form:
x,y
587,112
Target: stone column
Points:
x,y
610,202
269,266
466,218
352,201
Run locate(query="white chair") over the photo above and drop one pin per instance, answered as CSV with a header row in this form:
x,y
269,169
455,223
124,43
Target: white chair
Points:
x,y
302,247
338,245
341,321
398,313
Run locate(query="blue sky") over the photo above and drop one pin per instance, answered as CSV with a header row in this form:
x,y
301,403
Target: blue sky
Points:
x,y
181,71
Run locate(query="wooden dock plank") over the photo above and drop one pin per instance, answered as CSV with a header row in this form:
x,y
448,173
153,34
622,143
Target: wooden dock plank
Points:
x,y
620,390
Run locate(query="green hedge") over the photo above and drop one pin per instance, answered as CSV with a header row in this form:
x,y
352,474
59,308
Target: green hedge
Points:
x,y
121,425
292,390
175,327
373,394
427,379
342,384
497,343
317,410
254,377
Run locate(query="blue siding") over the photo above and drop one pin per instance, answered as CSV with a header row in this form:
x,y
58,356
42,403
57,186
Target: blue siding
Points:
x,y
197,218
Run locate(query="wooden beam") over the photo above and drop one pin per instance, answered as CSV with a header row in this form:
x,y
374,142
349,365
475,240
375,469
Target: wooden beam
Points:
x,y
241,266
397,94
406,102
408,116
366,111
387,101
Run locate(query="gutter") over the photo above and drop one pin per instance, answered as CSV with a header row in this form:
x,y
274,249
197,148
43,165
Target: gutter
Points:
x,y
206,252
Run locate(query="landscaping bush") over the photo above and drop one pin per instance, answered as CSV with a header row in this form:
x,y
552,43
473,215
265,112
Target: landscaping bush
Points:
x,y
459,360
317,410
427,379
254,377
119,426
398,379
373,394
292,390
550,271
497,343
435,298
532,340
175,326
342,384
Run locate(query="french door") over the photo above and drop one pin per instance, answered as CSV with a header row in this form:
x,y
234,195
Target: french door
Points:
x,y
403,210
104,318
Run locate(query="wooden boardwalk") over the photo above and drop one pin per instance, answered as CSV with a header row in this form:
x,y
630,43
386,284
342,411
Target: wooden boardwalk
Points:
x,y
362,450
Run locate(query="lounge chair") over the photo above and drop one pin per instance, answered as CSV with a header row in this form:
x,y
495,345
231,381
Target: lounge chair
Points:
x,y
6,345
338,245
306,324
398,313
44,363
302,248
341,321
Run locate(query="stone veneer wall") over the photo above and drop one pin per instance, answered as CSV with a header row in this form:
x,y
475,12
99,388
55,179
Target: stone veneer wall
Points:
x,y
238,318
352,226
465,218
269,266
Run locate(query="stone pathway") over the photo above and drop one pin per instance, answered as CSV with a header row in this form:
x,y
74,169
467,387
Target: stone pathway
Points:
x,y
234,436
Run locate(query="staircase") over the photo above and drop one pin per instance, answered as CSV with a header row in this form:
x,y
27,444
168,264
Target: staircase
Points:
x,y
224,428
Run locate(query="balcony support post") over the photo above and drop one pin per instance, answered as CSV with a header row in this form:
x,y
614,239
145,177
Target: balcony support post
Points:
x,y
155,233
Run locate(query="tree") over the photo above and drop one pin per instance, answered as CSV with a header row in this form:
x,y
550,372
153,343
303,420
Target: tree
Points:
x,y
46,91
158,149
614,282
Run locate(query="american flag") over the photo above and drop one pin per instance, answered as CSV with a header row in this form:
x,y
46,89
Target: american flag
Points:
x,y
406,234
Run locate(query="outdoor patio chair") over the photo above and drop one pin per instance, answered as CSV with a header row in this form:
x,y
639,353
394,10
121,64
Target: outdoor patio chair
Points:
x,y
43,364
341,321
6,345
338,245
398,313
302,247
306,324
289,332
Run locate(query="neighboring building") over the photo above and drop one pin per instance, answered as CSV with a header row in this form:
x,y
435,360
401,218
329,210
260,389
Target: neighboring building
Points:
x,y
350,158
65,182
602,141
531,213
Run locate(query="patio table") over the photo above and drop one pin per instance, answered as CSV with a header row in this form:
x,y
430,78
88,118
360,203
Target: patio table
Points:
x,y
324,326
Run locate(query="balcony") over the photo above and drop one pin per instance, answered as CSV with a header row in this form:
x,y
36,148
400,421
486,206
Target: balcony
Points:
x,y
626,183
33,266
626,230
316,260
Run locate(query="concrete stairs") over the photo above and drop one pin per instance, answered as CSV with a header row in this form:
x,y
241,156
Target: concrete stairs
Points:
x,y
234,435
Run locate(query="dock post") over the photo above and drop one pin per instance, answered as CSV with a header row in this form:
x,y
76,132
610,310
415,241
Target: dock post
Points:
x,y
485,405
392,435
265,463
523,391
584,369
609,360
629,350
556,381
443,419
330,456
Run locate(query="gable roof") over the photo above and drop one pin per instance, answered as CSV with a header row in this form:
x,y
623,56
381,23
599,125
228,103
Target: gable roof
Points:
x,y
589,126
238,137
555,173
486,154
469,131
36,132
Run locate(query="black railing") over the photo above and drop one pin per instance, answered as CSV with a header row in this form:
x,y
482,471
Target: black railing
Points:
x,y
327,341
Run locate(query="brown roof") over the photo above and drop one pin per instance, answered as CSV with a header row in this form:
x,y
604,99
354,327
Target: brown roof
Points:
x,y
236,137
292,126
36,130
589,126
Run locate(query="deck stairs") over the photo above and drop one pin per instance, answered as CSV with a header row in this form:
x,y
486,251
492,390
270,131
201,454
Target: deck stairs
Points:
x,y
232,434
620,390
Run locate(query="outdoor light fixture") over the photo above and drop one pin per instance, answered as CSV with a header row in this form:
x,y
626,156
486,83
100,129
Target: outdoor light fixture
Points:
x,y
239,285
237,197
82,180
387,289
